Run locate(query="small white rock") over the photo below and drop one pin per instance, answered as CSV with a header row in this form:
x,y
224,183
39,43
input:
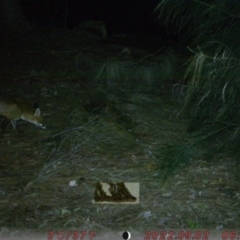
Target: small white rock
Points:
x,y
73,183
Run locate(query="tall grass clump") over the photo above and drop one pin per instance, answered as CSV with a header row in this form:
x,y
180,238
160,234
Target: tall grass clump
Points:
x,y
213,95
148,71
212,100
212,105
197,21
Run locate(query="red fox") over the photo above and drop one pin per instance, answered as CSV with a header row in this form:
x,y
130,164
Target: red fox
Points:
x,y
14,109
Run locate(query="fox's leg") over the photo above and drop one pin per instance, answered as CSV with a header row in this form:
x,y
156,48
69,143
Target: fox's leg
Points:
x,y
15,126
4,124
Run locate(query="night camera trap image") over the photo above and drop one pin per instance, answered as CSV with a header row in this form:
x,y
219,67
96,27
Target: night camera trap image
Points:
x,y
119,116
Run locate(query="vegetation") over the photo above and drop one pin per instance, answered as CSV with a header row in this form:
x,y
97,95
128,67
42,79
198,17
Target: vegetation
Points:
x,y
210,30
124,114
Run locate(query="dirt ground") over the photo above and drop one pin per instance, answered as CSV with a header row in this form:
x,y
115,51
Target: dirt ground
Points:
x,y
88,145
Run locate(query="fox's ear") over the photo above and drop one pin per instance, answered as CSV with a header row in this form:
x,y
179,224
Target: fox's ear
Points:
x,y
37,112
35,105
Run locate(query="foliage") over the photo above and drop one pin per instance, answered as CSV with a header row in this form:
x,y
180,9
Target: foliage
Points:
x,y
144,73
212,106
213,94
172,158
200,21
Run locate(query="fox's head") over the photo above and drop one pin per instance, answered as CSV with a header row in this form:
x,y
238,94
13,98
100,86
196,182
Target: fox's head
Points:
x,y
36,118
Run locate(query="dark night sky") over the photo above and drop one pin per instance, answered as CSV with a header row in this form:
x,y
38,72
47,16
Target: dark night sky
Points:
x,y
129,16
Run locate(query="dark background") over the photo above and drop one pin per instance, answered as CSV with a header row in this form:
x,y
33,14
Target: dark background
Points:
x,y
120,16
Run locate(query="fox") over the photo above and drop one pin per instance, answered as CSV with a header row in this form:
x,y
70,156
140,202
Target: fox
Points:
x,y
13,110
